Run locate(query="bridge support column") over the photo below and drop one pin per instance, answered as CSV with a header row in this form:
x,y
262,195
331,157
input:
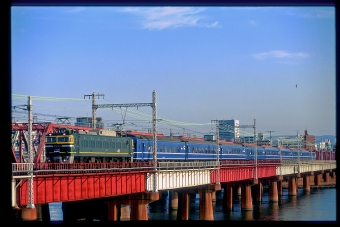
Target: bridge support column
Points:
x,y
292,188
246,199
139,211
206,206
306,183
183,206
334,175
29,214
258,191
273,192
113,211
326,177
279,187
317,179
228,198
139,205
173,200
206,209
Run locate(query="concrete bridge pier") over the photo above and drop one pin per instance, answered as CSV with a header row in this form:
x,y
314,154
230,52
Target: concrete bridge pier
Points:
x,y
228,198
246,199
257,192
326,177
273,192
334,174
113,211
206,206
29,214
139,203
333,177
292,185
306,181
118,212
317,178
119,209
279,187
183,205
173,200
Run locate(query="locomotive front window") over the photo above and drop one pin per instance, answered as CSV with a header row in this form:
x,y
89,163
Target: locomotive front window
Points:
x,y
64,139
51,139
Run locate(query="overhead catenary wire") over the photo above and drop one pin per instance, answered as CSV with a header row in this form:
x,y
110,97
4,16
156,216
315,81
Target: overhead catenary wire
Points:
x,y
193,128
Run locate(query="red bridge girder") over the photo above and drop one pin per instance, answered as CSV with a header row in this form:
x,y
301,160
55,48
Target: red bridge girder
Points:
x,y
240,173
74,187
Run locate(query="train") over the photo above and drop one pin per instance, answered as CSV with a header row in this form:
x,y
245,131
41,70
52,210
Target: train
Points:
x,y
76,146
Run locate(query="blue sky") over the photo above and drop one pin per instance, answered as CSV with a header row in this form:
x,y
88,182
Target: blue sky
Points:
x,y
205,63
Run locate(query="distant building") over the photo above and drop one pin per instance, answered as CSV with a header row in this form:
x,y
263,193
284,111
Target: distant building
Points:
x,y
87,122
250,139
229,130
309,141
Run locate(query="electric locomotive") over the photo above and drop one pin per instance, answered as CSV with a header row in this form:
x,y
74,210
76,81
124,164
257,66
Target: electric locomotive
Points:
x,y
87,146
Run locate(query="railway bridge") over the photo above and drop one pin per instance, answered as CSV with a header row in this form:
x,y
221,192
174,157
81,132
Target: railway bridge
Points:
x,y
36,184
118,184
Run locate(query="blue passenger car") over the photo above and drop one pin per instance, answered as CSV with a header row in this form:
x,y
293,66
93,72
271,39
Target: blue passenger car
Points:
x,y
175,149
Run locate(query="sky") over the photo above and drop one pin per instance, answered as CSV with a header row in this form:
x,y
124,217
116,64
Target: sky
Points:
x,y
272,67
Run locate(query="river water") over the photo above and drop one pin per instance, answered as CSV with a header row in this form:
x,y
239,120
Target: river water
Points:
x,y
316,205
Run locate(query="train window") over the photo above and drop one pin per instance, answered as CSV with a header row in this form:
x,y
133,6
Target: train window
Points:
x,y
179,150
51,139
63,139
160,149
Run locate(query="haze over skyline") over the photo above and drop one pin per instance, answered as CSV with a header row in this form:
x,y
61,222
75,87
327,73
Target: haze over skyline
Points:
x,y
272,64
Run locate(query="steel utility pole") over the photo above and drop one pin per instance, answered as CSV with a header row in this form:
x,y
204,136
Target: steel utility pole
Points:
x,y
30,180
30,187
270,135
217,151
154,136
93,108
298,145
154,125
